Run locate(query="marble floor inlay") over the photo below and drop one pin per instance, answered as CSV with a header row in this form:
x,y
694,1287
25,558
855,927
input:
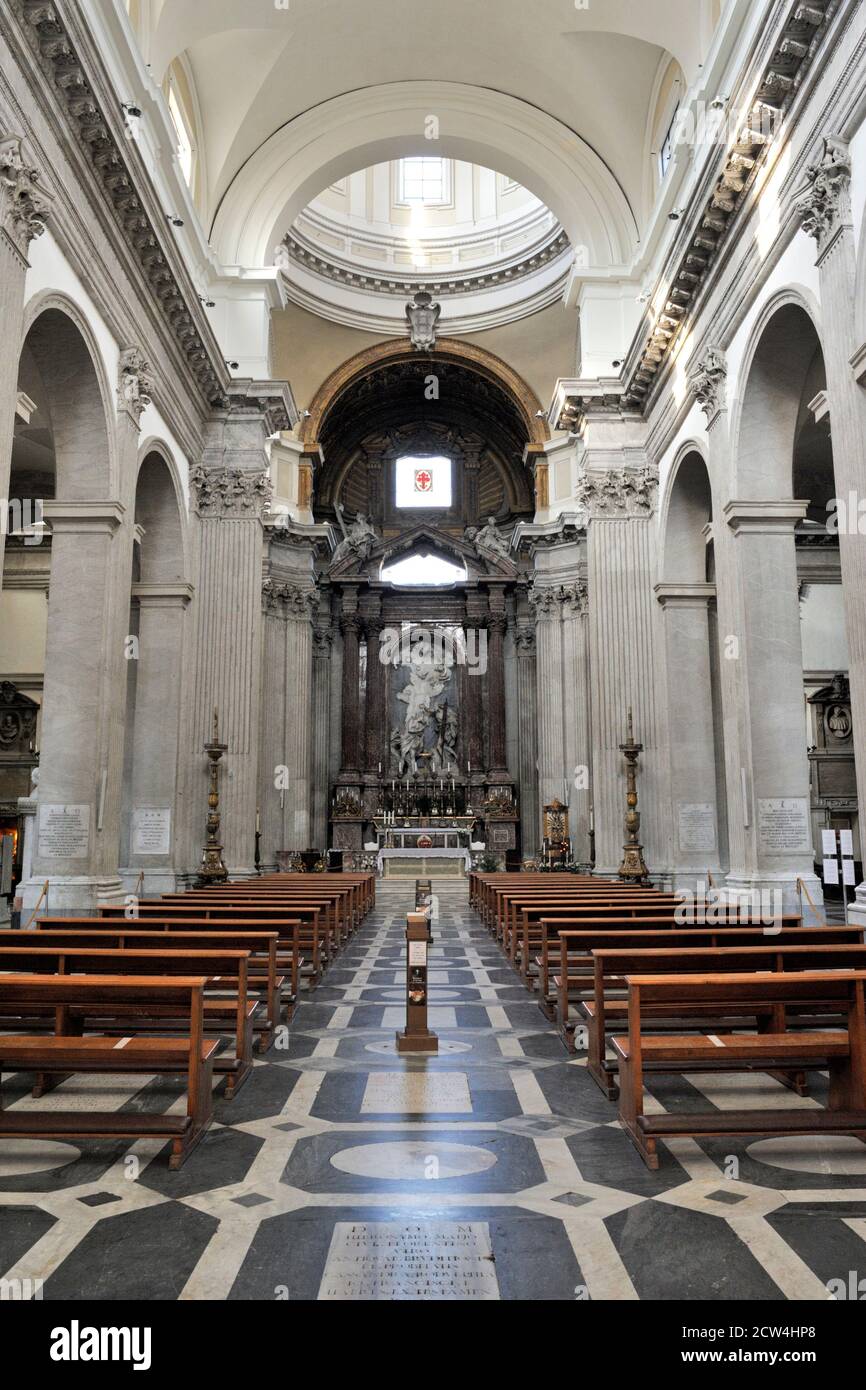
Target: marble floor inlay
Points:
x,y
493,1170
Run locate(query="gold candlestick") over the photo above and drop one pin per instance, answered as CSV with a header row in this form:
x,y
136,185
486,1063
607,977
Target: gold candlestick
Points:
x,y
213,869
633,869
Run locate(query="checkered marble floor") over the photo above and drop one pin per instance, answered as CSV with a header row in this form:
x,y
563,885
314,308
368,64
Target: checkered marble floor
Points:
x,y
496,1170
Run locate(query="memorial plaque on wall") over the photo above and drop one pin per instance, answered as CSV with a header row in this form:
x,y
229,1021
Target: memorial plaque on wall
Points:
x,y
151,830
697,826
64,832
784,825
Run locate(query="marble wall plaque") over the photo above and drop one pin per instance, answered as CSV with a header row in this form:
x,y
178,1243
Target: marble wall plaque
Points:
x,y
431,1260
783,825
151,830
64,832
697,825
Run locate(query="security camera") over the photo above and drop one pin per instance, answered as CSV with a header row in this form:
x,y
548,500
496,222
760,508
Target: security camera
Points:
x,y
235,366
134,111
174,219
208,303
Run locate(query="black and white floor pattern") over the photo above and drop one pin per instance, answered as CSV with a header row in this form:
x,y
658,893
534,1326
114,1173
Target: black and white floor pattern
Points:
x,y
496,1170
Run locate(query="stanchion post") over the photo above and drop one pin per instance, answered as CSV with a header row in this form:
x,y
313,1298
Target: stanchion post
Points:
x,y
416,1036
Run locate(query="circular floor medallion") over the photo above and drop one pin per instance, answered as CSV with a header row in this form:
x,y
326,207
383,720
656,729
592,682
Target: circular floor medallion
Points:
x,y
413,1160
835,1156
20,1156
389,1049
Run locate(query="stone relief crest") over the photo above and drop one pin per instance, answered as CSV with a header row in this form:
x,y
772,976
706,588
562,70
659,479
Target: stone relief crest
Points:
x,y
423,316
135,383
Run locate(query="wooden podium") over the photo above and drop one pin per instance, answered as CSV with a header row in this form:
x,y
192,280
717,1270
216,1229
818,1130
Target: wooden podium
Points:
x,y
416,1037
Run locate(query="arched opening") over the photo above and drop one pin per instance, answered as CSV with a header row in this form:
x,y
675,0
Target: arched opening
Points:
x,y
62,453
687,594
156,640
790,585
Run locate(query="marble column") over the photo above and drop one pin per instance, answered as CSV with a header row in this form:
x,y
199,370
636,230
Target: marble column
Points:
x,y
770,741
694,797
546,602
496,625
825,211
286,739
575,706
323,643
527,737
350,627
375,713
624,644
472,692
24,207
81,758
231,492
162,636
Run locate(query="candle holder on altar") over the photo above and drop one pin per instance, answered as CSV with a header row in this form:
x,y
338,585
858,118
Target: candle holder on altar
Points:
x,y
213,869
632,869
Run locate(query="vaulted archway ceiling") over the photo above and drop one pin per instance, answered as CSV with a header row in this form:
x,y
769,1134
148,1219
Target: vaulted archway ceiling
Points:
x,y
591,72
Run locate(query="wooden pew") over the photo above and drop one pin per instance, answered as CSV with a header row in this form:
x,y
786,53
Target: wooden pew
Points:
x,y
544,938
300,950
531,921
223,971
606,1008
841,1051
263,977
191,1056
574,956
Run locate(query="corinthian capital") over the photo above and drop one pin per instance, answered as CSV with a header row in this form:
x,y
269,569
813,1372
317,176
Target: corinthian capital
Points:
x,y
824,206
707,382
24,201
230,492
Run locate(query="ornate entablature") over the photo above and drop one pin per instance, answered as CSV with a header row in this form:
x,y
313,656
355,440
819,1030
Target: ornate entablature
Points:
x,y
824,206
708,382
26,202
230,492
64,73
706,228
135,383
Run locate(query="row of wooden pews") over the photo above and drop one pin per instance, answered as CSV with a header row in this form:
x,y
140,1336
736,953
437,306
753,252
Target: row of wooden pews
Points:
x,y
644,983
190,984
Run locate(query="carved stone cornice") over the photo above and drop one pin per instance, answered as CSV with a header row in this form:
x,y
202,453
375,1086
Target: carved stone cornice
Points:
x,y
619,492
44,25
24,200
289,601
707,382
230,492
824,206
804,27
270,400
135,384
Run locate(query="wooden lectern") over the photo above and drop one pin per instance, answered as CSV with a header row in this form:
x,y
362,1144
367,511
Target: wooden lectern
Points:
x,y
416,1037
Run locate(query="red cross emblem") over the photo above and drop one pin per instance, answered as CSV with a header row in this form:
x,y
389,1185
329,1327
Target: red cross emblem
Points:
x,y
423,480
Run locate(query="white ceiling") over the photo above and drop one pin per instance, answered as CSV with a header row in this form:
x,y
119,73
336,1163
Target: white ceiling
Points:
x,y
257,68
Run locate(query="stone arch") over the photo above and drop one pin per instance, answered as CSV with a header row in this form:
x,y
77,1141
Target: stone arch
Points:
x,y
780,351
64,349
478,359
376,124
687,508
160,508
